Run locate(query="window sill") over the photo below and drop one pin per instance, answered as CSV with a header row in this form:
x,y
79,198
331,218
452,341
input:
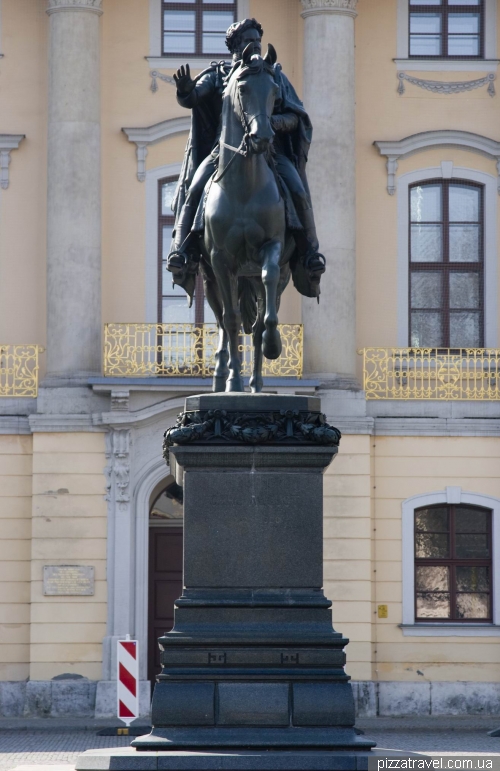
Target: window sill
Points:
x,y
174,62
446,65
450,630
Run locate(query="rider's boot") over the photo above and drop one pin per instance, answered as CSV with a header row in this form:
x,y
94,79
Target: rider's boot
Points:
x,y
313,261
179,258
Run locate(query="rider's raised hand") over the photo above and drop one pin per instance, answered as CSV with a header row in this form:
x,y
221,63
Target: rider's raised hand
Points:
x,y
183,80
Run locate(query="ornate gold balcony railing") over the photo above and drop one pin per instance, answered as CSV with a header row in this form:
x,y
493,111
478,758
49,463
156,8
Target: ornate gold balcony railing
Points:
x,y
188,350
19,370
432,373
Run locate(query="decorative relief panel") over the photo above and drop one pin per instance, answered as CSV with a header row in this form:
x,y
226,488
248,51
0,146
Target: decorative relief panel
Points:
x,y
313,7
439,87
118,468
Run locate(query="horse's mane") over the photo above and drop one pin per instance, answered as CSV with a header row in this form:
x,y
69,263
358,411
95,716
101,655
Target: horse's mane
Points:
x,y
255,66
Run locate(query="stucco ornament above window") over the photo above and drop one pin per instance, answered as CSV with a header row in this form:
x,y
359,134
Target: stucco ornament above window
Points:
x,y
150,135
438,87
465,140
155,75
314,7
94,6
8,142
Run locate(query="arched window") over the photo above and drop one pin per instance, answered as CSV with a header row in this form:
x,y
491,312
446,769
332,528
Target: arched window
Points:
x,y
446,264
450,548
173,305
453,563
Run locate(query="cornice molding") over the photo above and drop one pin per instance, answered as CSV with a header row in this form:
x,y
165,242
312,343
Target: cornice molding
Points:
x,y
465,140
92,6
150,135
317,7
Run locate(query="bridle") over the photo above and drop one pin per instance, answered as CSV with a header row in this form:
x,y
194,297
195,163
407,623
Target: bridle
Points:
x,y
244,148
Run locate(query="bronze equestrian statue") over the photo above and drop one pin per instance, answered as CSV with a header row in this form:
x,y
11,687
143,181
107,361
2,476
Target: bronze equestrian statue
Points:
x,y
242,206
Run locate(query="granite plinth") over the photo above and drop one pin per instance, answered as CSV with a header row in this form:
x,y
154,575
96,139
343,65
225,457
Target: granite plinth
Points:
x,y
255,760
253,660
245,402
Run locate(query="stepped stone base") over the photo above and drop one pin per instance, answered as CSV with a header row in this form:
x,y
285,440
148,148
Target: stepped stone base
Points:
x,y
239,760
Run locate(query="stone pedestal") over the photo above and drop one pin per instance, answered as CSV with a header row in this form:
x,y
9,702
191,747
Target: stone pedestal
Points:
x,y
253,662
253,659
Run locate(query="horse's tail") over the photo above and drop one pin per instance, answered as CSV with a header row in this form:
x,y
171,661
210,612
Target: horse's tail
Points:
x,y
248,304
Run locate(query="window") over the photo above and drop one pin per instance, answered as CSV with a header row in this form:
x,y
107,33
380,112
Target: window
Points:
x,y
446,265
196,27
448,29
453,565
172,300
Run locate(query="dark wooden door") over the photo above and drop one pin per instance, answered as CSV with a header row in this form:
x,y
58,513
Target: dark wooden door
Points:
x,y
165,586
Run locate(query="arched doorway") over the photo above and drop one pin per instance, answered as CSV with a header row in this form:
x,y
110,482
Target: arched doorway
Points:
x,y
165,567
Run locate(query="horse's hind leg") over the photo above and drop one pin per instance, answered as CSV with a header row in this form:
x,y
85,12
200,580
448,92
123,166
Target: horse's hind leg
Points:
x,y
270,256
221,371
256,381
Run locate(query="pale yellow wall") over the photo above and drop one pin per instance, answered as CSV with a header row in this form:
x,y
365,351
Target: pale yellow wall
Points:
x,y
384,115
407,466
348,550
127,101
15,528
23,110
69,527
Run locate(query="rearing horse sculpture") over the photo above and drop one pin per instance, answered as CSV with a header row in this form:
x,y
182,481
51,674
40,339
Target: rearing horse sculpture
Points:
x,y
245,229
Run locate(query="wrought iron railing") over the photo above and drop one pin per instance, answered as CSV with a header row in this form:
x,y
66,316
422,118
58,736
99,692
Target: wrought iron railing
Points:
x,y
432,373
188,350
19,370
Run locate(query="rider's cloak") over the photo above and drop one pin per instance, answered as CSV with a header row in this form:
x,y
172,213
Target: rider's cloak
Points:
x,y
204,137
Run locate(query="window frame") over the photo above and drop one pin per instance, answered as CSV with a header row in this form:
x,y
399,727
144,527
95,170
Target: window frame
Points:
x,y
409,627
446,267
198,6
452,562
444,11
168,220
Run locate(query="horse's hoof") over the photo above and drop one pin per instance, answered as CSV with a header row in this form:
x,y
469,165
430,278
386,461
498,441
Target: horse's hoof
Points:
x,y
271,344
256,386
234,385
219,384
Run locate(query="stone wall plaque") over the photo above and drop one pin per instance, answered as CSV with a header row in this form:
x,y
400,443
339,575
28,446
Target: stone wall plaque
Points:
x,y
68,580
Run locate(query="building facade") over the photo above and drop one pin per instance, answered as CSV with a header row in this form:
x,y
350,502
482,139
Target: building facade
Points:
x,y
97,351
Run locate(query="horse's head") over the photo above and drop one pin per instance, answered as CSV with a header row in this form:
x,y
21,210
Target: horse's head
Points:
x,y
255,95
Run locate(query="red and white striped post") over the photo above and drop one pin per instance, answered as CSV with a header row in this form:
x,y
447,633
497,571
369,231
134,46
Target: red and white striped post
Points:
x,y
128,680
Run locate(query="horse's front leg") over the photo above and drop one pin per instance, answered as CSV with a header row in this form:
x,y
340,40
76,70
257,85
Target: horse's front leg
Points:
x,y
270,255
256,381
228,287
221,370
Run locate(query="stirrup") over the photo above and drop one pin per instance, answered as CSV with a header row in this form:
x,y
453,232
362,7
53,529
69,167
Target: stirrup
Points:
x,y
315,263
177,262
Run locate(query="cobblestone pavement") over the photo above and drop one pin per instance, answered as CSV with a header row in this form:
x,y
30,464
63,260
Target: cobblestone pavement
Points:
x,y
31,749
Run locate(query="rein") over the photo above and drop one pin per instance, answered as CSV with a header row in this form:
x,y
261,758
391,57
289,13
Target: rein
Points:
x,y
244,147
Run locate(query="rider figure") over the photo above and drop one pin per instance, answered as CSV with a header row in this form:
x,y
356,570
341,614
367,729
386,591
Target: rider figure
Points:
x,y
291,143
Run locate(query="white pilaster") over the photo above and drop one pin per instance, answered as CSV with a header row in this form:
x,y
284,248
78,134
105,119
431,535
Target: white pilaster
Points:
x,y
329,97
74,190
